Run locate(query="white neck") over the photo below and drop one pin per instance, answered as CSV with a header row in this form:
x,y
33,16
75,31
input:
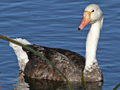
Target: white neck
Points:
x,y
91,44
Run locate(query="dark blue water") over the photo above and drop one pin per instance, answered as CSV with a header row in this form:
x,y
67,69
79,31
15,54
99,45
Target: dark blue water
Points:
x,y
54,24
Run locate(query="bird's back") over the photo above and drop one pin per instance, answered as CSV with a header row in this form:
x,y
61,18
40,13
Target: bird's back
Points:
x,y
69,63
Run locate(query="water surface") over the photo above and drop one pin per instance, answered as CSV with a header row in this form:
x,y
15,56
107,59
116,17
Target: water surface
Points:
x,y
54,24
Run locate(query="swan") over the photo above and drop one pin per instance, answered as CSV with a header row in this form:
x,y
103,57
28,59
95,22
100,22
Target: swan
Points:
x,y
70,63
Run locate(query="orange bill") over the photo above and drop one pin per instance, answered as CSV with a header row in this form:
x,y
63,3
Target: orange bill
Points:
x,y
86,20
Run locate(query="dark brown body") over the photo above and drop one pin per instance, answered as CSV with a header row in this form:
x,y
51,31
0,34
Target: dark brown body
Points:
x,y
69,63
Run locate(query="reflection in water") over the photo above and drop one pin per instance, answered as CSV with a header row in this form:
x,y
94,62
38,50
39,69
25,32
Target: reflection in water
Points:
x,y
21,85
38,84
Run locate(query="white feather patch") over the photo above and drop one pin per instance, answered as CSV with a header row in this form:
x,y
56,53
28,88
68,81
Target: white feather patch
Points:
x,y
21,55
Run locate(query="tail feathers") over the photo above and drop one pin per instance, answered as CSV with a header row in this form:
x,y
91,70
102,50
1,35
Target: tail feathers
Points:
x,y
20,53
23,41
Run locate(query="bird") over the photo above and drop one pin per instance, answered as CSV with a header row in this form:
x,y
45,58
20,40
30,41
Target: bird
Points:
x,y
70,63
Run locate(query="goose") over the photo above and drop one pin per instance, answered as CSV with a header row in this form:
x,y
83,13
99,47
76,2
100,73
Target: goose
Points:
x,y
70,63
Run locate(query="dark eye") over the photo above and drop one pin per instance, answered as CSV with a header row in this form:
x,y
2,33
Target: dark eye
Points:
x,y
92,10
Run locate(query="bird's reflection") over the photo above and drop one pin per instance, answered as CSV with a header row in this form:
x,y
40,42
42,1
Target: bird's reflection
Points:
x,y
27,83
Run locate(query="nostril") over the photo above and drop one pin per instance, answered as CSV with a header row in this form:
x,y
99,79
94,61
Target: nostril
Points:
x,y
79,28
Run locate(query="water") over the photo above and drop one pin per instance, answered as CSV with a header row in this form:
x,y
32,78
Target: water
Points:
x,y
54,24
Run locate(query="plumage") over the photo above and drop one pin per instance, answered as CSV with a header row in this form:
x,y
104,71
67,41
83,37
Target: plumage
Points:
x,y
69,62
